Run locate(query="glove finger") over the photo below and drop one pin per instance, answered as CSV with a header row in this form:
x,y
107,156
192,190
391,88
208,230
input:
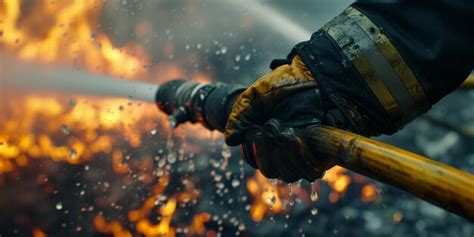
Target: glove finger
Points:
x,y
259,152
300,154
262,155
240,120
279,152
277,157
248,147
287,153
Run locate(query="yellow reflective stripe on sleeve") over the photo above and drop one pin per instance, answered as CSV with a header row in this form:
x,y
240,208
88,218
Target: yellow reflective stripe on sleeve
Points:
x,y
379,64
392,56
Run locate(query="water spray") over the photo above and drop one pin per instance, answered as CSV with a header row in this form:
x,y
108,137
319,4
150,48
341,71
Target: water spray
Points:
x,y
26,76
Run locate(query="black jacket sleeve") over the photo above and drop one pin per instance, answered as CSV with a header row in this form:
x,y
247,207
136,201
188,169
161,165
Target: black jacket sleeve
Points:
x,y
435,37
383,63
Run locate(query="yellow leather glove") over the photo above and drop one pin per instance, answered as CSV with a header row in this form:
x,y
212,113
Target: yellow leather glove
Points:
x,y
263,119
258,103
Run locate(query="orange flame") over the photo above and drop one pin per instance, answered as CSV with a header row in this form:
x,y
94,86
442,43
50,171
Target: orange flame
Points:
x,y
114,227
62,32
37,232
66,33
266,197
66,36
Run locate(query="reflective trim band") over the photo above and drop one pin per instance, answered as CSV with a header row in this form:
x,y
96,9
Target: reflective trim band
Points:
x,y
380,65
393,57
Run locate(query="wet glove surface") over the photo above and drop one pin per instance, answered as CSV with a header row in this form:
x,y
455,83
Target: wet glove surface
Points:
x,y
280,152
262,100
265,119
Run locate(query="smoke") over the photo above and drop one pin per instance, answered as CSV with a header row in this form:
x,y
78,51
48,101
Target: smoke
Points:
x,y
273,19
27,78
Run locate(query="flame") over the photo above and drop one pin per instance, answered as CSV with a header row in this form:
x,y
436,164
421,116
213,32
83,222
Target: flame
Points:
x,y
369,193
198,222
66,32
338,180
66,36
266,197
37,232
113,227
163,228
75,131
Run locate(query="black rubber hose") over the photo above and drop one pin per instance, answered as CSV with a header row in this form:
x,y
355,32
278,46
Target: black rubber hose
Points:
x,y
188,101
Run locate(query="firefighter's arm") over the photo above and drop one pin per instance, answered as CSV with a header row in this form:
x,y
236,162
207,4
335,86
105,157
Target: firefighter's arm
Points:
x,y
392,59
371,70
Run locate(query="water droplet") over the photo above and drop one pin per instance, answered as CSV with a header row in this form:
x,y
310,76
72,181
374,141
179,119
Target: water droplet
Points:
x,y
226,153
72,154
161,163
171,158
59,206
314,194
65,129
217,177
93,37
247,57
237,57
72,102
224,50
235,183
220,185
346,63
314,211
153,131
172,122
273,200
146,67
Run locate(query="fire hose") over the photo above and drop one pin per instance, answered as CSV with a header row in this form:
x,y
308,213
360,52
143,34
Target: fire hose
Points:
x,y
432,181
210,105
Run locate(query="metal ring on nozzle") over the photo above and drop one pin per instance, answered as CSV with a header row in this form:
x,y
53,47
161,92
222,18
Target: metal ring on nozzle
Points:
x,y
188,101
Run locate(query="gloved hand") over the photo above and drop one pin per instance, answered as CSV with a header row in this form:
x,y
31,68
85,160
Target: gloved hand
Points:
x,y
265,118
279,151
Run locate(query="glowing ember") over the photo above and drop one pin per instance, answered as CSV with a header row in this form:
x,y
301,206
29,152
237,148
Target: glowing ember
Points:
x,y
369,193
267,200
